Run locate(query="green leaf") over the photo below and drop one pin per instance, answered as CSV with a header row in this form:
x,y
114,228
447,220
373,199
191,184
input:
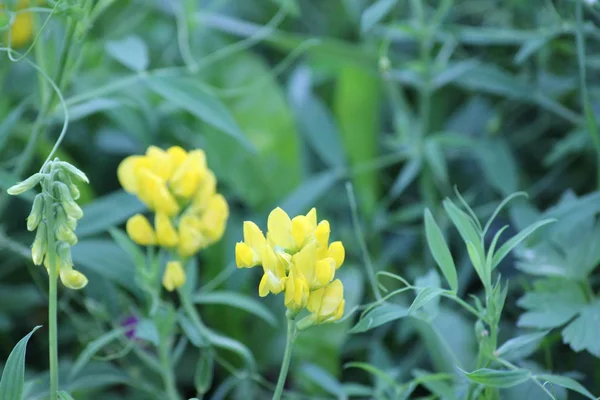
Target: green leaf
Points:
x,y
130,51
499,165
307,194
357,109
406,176
436,160
499,378
107,259
375,13
520,347
237,300
9,121
378,316
439,250
552,303
203,376
13,375
453,72
425,295
568,383
323,379
582,333
62,395
502,204
146,329
373,370
465,225
93,348
189,95
317,124
132,249
516,240
108,211
436,383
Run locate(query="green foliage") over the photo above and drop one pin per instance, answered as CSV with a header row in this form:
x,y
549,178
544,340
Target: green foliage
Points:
x,y
293,102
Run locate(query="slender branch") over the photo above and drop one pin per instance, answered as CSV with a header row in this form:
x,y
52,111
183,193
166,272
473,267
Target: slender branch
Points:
x,y
287,356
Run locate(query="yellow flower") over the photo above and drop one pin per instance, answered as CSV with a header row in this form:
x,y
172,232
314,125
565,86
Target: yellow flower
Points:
x,y
206,190
248,253
215,217
140,231
174,276
154,193
317,273
161,163
128,172
274,268
191,239
337,252
327,304
73,279
165,232
290,234
187,177
296,291
21,30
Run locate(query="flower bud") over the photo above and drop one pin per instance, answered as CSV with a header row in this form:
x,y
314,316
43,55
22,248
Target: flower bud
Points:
x,y
40,244
76,172
74,191
63,252
27,184
71,207
174,276
64,233
73,279
35,216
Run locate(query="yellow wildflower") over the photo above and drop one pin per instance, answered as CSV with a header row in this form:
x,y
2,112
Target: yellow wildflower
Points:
x,y
296,292
186,179
21,30
174,276
327,304
140,231
248,253
274,268
73,279
191,238
165,232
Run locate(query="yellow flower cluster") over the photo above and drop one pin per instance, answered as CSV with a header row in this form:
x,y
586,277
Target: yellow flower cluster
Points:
x,y
179,187
21,29
297,258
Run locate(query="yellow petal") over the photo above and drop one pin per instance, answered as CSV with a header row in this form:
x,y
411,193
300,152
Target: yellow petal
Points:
x,y
321,234
165,231
305,261
187,177
279,227
300,230
337,252
73,279
253,236
206,189
174,276
177,156
333,296
263,288
311,218
165,202
191,239
272,263
314,300
340,311
215,217
128,172
160,162
325,270
245,256
140,231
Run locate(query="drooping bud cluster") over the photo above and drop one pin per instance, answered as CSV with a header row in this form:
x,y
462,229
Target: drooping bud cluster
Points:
x,y
181,190
297,258
54,216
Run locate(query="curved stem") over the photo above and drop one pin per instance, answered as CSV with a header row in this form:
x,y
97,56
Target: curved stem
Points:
x,y
52,300
167,370
287,356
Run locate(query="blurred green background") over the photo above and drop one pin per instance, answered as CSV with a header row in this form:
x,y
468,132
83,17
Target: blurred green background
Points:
x,y
292,100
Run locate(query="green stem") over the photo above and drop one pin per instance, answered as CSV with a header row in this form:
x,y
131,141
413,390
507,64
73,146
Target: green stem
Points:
x,y
287,356
167,370
52,300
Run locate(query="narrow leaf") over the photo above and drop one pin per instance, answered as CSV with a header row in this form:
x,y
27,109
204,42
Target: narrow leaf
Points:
x,y
94,347
439,250
568,383
521,346
13,375
516,240
425,295
379,316
234,299
499,378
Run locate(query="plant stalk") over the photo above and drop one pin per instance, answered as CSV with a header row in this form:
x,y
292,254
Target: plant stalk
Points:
x,y
167,370
52,302
287,356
